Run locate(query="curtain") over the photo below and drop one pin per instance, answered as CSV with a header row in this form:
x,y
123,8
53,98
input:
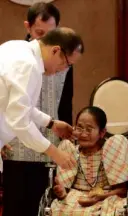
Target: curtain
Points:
x,y
123,39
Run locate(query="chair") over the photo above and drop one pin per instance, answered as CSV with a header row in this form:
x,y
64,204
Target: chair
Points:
x,y
112,96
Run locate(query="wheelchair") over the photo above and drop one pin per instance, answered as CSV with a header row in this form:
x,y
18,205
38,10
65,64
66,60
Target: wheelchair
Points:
x,y
111,96
47,198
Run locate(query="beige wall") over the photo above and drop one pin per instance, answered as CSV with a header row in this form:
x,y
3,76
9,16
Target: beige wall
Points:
x,y
95,20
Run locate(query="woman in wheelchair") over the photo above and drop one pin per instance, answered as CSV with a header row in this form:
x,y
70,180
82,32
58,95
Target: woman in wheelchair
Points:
x,y
97,184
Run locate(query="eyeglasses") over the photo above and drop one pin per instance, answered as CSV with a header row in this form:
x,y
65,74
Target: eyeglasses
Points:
x,y
66,58
84,130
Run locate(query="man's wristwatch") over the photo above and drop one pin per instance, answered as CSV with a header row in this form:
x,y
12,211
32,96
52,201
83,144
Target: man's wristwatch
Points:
x,y
51,123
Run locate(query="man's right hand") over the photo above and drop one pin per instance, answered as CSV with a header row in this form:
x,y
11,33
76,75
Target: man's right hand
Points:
x,y
62,158
65,160
3,150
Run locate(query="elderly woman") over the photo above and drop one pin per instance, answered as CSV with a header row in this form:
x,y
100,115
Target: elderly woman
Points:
x,y
97,184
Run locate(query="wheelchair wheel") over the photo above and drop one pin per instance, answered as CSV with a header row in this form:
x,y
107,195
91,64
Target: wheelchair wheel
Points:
x,y
45,203
42,206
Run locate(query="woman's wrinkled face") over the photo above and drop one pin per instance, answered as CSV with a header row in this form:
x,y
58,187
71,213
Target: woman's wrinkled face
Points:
x,y
88,130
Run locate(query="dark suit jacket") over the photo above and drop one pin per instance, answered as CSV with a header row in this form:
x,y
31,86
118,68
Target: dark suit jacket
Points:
x,y
65,105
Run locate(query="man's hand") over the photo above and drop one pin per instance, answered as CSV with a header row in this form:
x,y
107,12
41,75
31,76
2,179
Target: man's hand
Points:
x,y
62,129
59,189
62,158
3,151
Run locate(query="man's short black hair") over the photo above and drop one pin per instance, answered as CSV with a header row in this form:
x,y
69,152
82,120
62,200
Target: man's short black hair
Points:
x,y
66,38
45,10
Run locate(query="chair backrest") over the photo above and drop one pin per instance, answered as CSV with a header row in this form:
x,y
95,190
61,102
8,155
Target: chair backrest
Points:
x,y
112,96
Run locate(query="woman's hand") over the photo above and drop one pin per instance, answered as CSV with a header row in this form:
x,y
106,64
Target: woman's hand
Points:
x,y
88,201
91,200
98,197
59,189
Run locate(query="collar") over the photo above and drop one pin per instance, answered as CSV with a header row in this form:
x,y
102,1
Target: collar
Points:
x,y
35,47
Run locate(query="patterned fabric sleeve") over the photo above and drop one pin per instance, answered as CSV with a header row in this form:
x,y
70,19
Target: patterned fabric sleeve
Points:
x,y
115,159
67,177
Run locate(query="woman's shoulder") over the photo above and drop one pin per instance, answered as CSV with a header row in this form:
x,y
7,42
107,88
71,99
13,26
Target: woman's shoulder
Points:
x,y
116,139
115,159
115,144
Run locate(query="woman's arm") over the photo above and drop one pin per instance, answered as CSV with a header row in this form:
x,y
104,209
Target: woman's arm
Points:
x,y
65,178
59,189
119,190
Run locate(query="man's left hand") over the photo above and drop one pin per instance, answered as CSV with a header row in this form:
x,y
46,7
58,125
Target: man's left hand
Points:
x,y
62,129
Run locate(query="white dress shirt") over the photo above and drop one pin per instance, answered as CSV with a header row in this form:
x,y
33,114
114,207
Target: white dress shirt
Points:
x,y
21,69
48,102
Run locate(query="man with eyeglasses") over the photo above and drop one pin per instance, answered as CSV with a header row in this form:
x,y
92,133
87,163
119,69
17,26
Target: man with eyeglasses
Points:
x,y
22,164
21,81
